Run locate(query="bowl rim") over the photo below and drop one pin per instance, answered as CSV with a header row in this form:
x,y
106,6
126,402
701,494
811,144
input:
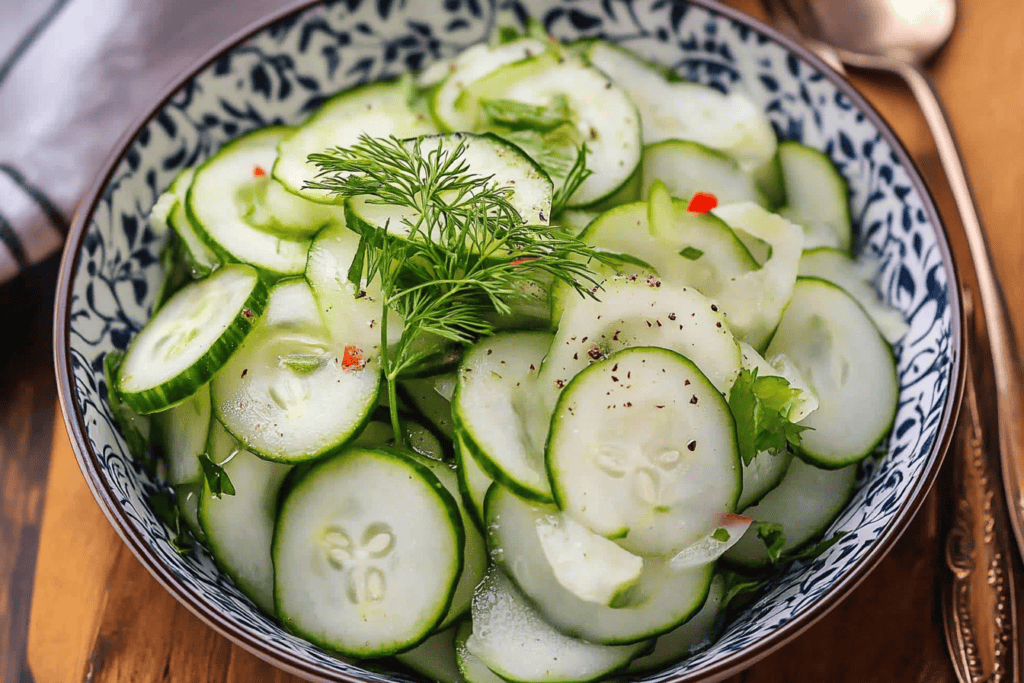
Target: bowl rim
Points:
x,y
248,640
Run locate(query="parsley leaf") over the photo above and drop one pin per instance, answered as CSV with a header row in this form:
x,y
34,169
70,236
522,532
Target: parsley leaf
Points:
x,y
721,535
739,588
761,407
216,478
816,550
165,507
773,536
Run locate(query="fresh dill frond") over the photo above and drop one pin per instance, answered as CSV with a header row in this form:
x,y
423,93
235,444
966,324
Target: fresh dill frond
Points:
x,y
467,251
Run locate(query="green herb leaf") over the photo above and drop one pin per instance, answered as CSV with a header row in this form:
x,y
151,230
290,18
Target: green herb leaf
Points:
x,y
721,534
519,115
216,478
573,179
739,588
134,427
815,550
165,506
302,363
773,536
761,407
691,253
506,34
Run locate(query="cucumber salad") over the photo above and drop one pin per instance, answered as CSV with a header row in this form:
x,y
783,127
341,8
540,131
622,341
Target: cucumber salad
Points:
x,y
524,368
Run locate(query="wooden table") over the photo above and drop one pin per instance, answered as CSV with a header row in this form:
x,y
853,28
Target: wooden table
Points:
x,y
75,605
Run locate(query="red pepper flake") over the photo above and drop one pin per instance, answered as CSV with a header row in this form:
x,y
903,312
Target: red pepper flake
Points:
x,y
595,352
730,517
258,172
702,202
524,259
559,383
248,314
353,359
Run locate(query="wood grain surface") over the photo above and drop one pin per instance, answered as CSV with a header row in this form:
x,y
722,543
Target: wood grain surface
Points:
x,y
98,616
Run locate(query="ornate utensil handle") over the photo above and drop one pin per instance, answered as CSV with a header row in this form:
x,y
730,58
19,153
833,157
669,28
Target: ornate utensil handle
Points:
x,y
979,605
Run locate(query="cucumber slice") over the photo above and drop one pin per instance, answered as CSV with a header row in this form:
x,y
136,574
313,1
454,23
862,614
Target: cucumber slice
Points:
x,y
636,311
376,109
603,115
434,658
188,496
466,68
200,257
662,599
190,338
227,203
688,167
183,430
696,249
483,155
291,393
805,503
496,412
704,551
643,449
589,566
348,553
352,314
850,366
576,220
754,301
472,669
856,277
512,639
694,635
473,482
431,396
671,109
761,475
817,197
239,528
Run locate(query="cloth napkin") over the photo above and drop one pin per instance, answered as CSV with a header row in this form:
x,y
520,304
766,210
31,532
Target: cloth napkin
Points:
x,y
74,76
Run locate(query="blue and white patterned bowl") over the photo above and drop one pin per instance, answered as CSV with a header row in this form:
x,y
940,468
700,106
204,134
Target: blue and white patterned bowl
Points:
x,y
282,70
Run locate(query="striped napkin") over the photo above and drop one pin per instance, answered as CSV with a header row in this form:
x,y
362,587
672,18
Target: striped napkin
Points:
x,y
74,75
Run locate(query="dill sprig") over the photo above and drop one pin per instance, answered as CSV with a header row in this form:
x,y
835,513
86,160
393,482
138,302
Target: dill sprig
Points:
x,y
467,250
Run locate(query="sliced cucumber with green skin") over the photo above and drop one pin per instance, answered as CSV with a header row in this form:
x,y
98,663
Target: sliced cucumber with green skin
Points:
x,y
680,110
693,636
704,551
805,504
485,156
643,449
239,528
431,397
604,116
435,658
695,249
183,430
515,642
688,167
291,392
348,553
474,562
856,278
188,496
754,301
497,414
637,311
850,366
817,197
188,340
771,182
473,482
662,599
201,258
227,206
576,220
471,668
762,475
376,109
466,68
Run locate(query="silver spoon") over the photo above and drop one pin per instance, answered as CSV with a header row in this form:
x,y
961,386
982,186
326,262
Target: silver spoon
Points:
x,y
899,36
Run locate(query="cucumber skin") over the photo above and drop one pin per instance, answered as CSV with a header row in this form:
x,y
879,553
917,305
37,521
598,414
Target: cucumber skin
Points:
x,y
454,517
815,459
177,389
473,450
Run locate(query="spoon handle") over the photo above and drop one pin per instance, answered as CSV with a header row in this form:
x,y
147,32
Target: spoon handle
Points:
x,y
1005,359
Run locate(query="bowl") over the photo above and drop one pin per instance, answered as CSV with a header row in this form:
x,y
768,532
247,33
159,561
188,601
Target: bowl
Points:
x,y
280,70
